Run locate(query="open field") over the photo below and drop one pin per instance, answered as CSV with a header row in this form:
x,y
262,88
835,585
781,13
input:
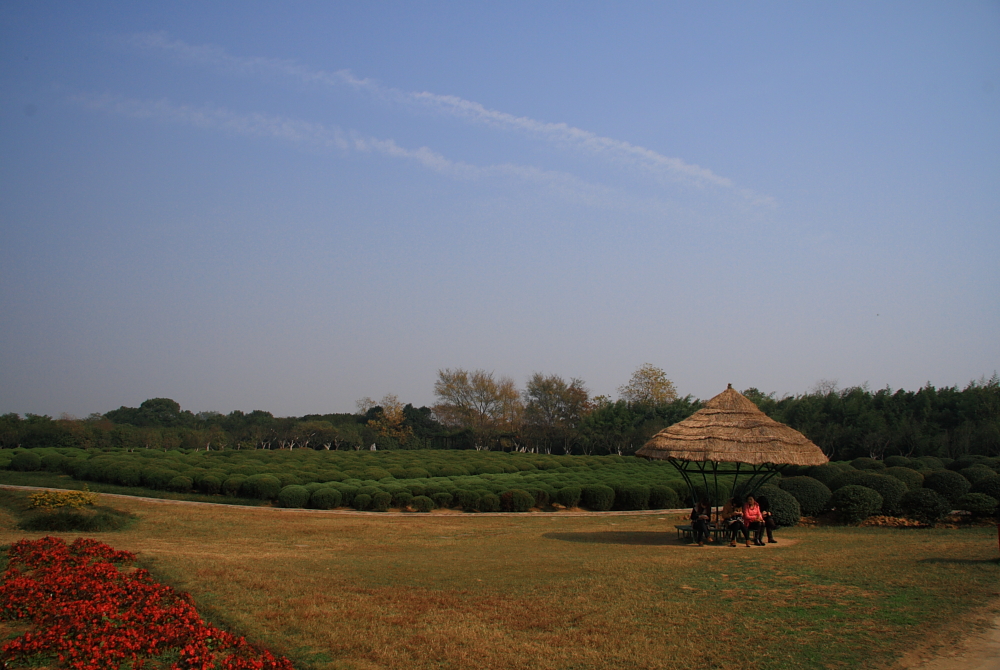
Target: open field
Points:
x,y
545,591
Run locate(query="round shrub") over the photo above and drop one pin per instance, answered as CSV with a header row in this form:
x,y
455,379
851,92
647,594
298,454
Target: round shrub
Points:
x,y
948,483
631,496
422,504
417,490
931,463
974,474
325,498
442,499
988,485
825,473
232,485
898,462
663,497
123,474
489,502
362,501
783,506
811,494
465,499
912,478
855,503
849,477
681,489
287,479
53,462
891,490
925,505
209,485
978,504
262,487
381,501
26,461
402,499
569,496
598,497
293,495
865,463
517,500
347,493
541,496
180,484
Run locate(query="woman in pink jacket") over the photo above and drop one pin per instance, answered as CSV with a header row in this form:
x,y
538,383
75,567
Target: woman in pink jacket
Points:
x,y
754,520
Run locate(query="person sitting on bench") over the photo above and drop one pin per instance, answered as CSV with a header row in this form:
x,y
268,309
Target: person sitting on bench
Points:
x,y
732,516
754,520
701,515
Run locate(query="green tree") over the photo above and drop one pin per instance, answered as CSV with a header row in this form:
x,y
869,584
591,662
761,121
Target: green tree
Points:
x,y
553,411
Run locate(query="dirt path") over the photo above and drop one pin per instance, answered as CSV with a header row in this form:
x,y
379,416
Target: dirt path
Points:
x,y
978,652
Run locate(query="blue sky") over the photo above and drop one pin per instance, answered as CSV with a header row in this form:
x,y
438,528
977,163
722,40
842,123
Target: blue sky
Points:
x,y
290,206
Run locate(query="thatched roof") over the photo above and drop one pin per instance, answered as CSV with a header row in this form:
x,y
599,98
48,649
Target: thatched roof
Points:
x,y
730,428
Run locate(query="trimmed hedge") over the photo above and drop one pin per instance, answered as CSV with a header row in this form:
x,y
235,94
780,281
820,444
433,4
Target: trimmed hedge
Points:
x,y
26,461
325,498
516,500
976,473
180,484
569,496
422,504
989,485
811,494
232,485
598,497
294,495
663,497
912,478
865,463
262,487
978,504
891,490
489,502
948,483
783,506
631,496
381,501
925,505
209,485
854,503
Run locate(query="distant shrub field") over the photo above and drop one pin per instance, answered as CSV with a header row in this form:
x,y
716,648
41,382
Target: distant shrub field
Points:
x,y
488,481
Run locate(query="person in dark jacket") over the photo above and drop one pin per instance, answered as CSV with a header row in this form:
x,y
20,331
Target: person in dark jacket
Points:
x,y
732,516
701,515
769,522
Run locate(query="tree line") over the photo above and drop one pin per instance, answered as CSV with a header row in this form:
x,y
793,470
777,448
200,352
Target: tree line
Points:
x,y
480,410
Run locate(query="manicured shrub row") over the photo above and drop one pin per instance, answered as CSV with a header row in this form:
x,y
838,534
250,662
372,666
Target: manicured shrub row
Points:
x,y
926,488
485,481
473,481
90,615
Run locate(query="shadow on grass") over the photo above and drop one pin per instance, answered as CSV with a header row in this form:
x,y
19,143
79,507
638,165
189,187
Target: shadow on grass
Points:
x,y
615,537
960,561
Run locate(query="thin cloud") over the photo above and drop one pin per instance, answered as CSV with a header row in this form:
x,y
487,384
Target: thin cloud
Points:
x,y
315,136
562,134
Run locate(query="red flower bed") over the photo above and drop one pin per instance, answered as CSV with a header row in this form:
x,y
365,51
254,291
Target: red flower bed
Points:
x,y
91,616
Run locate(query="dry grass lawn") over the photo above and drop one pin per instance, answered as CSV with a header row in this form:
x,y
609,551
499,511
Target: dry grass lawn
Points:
x,y
548,592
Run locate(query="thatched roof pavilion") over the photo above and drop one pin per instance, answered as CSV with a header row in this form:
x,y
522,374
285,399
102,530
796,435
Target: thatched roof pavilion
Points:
x,y
730,429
